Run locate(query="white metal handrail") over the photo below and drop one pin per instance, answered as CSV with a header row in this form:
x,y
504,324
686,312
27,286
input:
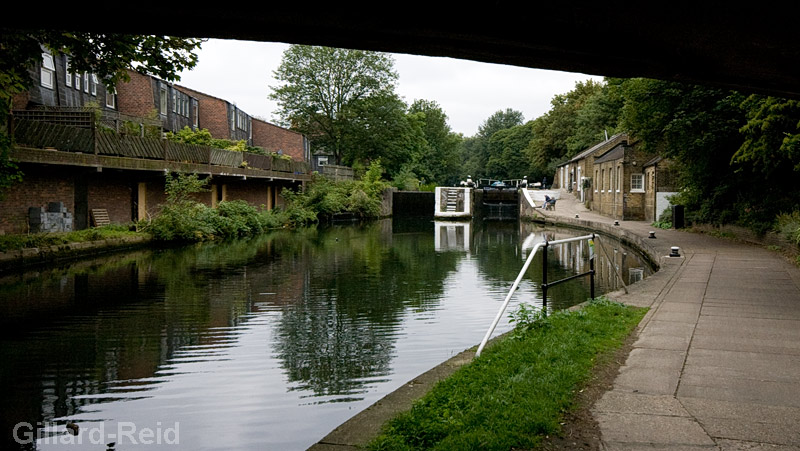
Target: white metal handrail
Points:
x,y
516,284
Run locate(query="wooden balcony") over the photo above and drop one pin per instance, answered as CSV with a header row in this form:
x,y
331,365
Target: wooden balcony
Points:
x,y
70,137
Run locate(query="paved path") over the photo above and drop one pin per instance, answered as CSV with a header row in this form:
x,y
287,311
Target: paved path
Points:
x,y
717,360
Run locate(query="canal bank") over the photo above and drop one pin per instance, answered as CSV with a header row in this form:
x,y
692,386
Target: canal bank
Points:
x,y
715,364
22,258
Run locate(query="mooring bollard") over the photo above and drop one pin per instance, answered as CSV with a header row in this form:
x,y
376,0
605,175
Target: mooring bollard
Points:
x,y
652,234
674,252
577,216
616,223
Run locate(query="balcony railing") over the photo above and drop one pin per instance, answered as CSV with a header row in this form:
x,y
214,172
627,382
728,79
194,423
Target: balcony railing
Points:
x,y
74,130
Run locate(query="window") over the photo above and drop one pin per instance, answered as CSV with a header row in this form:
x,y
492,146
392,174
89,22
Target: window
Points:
x,y
637,183
174,101
619,178
94,84
78,82
602,180
48,70
163,100
86,83
322,161
68,76
111,98
196,113
596,179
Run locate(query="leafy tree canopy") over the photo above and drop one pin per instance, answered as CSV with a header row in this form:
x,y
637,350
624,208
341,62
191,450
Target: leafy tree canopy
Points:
x,y
322,91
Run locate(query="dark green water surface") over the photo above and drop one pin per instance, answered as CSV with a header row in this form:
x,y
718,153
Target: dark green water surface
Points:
x,y
261,344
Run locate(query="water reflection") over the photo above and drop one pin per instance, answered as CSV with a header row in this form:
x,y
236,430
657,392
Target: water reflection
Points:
x,y
262,343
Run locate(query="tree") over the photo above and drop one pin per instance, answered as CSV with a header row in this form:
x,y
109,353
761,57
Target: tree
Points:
x,y
576,120
475,151
440,162
323,89
698,128
507,159
108,56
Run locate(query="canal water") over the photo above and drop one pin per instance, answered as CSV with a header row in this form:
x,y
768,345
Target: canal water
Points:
x,y
266,343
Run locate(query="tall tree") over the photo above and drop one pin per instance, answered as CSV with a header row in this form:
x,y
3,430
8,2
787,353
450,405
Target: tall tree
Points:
x,y
697,127
108,56
477,152
322,91
440,163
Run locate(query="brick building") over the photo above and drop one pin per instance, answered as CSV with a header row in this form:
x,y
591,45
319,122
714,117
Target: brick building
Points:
x,y
661,182
149,97
575,175
67,159
281,140
221,118
55,85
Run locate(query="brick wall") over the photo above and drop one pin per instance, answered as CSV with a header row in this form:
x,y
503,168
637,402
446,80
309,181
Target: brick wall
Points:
x,y
114,192
213,114
136,96
274,138
41,185
253,192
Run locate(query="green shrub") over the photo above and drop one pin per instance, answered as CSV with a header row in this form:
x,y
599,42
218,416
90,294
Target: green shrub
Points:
x,y
788,226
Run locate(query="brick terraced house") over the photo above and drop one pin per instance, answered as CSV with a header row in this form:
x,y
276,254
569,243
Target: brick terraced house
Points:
x,y
70,158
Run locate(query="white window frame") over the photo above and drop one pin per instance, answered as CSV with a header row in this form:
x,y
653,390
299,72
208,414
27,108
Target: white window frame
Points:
x,y
67,73
95,81
86,82
322,160
163,100
196,114
596,180
174,101
640,178
48,72
619,178
111,98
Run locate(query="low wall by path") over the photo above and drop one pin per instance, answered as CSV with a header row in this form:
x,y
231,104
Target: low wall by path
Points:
x,y
17,259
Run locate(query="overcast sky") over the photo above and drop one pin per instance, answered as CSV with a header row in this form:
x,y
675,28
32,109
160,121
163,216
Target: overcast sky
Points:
x,y
241,72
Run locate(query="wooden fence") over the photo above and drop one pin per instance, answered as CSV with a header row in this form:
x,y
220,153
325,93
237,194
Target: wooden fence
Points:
x,y
44,135
337,172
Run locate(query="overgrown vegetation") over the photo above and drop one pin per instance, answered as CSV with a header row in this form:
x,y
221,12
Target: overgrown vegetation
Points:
x,y
323,198
516,392
184,218
38,240
202,137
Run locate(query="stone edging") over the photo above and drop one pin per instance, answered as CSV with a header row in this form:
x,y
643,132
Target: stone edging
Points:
x,y
32,256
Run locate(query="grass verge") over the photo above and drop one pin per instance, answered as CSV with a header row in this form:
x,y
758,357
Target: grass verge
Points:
x,y
16,242
516,393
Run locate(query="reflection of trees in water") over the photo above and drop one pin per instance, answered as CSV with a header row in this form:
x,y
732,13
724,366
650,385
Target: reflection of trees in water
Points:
x,y
116,319
341,333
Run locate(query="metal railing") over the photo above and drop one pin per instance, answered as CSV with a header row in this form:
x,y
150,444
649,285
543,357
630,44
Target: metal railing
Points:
x,y
545,284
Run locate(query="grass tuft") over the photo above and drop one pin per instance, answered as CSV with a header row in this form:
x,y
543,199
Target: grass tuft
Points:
x,y
516,393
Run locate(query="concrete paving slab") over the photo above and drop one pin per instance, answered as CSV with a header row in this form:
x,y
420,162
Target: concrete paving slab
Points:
x,y
653,381
627,428
751,310
739,390
612,446
746,421
656,358
640,403
742,445
746,344
680,317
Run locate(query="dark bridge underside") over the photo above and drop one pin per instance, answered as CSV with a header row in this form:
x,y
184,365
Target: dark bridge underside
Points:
x,y
745,45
